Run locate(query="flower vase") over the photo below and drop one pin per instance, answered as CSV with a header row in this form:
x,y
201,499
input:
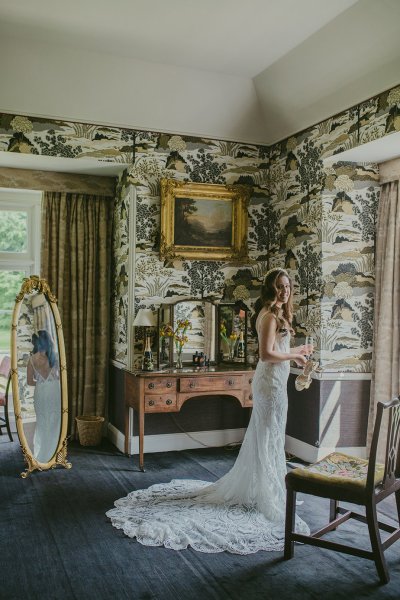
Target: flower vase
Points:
x,y
178,362
232,350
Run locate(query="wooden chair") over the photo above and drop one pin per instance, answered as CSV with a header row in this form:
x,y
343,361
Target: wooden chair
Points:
x,y
5,380
350,479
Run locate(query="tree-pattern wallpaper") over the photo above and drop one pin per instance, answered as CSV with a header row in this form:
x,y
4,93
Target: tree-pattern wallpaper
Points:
x,y
162,281
308,213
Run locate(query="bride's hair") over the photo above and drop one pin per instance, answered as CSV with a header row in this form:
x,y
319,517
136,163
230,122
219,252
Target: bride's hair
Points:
x,y
42,342
267,300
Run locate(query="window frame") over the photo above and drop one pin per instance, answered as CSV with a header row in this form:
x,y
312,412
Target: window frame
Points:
x,y
21,201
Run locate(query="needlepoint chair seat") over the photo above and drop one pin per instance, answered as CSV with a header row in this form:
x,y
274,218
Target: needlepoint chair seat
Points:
x,y
340,477
335,475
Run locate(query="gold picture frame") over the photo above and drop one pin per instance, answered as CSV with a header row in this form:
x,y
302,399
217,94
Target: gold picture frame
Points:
x,y
202,221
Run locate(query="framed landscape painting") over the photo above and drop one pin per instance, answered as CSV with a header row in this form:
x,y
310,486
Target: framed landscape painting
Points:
x,y
203,221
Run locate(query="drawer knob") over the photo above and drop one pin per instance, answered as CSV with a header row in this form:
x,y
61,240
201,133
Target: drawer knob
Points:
x,y
250,396
168,402
192,384
230,381
151,402
251,380
169,384
151,386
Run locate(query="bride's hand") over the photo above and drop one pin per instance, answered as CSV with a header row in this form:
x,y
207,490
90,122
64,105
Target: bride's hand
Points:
x,y
305,349
300,360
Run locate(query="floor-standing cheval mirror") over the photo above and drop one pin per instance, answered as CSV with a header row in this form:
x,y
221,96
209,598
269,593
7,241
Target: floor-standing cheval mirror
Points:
x,y
39,377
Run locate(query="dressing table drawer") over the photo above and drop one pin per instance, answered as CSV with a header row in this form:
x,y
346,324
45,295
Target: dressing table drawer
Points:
x,y
209,384
159,385
160,403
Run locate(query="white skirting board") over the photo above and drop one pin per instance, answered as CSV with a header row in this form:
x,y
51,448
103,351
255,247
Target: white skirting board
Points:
x,y
199,439
177,441
311,454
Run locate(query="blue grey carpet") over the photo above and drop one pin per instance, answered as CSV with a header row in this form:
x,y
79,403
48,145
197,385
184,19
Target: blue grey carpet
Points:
x,y
56,542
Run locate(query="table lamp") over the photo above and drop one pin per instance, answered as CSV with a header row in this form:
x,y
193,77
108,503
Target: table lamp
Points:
x,y
145,317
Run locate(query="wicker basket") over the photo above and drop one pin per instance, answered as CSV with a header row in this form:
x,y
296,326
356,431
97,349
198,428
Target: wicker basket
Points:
x,y
90,430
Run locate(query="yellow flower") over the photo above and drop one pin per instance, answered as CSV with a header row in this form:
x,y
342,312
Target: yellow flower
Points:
x,y
179,334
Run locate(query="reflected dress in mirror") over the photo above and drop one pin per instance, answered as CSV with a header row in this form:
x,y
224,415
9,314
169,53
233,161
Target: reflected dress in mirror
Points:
x,y
43,373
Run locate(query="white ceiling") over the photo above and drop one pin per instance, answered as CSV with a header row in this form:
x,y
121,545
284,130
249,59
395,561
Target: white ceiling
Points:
x,y
255,71
226,36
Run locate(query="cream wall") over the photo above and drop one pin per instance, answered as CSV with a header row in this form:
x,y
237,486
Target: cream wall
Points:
x,y
62,82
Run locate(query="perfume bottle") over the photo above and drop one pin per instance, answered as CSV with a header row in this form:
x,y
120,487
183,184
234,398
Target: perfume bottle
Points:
x,y
148,363
240,348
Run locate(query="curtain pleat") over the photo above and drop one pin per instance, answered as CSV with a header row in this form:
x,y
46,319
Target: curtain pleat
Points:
x,y
385,383
76,251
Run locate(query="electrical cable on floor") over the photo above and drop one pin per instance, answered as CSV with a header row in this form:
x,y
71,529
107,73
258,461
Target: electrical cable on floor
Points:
x,y
230,446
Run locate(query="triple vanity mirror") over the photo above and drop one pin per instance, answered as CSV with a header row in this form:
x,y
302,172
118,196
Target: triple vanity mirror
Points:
x,y
39,377
215,333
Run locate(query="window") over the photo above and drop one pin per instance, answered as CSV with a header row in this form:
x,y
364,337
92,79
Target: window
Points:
x,y
19,250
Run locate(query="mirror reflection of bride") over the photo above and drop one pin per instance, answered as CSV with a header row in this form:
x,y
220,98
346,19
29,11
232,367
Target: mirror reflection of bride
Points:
x,y
43,373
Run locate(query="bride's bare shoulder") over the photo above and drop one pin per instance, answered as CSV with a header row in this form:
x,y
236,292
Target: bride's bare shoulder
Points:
x,y
261,317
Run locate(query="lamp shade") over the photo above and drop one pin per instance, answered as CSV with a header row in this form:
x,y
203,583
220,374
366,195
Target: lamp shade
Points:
x,y
145,318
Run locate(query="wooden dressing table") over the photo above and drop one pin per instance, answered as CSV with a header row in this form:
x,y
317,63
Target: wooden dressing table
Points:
x,y
167,390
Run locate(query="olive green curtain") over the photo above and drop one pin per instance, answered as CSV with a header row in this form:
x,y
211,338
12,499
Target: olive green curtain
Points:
x,y
75,260
386,355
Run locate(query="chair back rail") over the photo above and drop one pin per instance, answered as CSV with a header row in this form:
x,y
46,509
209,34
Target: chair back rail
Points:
x,y
392,446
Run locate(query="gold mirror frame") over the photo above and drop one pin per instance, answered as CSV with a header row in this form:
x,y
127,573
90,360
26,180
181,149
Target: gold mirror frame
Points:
x,y
29,285
236,196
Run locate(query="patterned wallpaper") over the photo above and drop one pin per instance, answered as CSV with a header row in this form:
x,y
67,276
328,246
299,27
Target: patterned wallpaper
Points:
x,y
160,281
308,212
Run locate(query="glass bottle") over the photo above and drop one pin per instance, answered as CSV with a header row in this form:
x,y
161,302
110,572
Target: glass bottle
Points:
x,y
240,348
148,363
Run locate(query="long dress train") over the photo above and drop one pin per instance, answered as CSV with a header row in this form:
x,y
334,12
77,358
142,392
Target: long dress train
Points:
x,y
244,511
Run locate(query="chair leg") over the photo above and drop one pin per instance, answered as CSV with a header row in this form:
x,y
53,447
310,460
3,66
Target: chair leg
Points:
x,y
376,544
289,523
7,422
397,494
333,506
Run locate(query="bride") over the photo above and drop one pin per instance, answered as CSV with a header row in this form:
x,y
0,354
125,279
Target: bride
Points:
x,y
43,373
244,511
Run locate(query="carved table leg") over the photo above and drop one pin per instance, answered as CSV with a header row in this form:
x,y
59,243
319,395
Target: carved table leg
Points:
x,y
141,440
127,429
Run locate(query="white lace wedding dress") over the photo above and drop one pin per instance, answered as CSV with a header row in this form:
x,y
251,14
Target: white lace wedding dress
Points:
x,y
47,404
244,511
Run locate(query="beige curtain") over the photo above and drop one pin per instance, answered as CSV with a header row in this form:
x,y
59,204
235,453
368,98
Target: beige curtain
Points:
x,y
386,362
76,249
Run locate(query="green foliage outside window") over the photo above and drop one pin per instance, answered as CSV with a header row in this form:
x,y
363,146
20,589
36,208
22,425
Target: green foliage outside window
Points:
x,y
13,238
10,284
13,231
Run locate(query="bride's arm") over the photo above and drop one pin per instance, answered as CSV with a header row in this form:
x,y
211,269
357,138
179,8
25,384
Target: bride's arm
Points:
x,y
266,340
29,373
